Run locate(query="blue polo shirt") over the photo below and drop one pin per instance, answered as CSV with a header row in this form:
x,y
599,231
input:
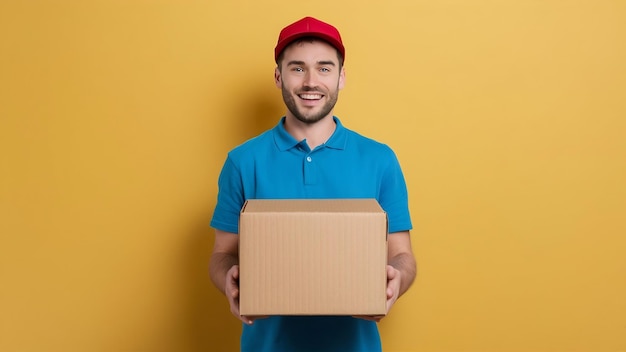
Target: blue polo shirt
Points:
x,y
274,165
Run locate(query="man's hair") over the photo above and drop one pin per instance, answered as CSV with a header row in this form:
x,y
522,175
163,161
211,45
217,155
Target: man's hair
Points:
x,y
310,39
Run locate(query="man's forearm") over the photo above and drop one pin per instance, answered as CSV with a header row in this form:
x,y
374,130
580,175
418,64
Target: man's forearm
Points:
x,y
405,263
219,265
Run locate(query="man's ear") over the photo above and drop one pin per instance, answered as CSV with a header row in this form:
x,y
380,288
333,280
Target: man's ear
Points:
x,y
342,78
277,78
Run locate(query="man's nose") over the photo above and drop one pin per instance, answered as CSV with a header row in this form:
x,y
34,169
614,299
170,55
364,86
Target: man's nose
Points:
x,y
310,79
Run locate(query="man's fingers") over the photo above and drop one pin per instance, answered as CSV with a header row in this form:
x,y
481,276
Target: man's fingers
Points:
x,y
232,293
232,281
233,288
391,272
235,272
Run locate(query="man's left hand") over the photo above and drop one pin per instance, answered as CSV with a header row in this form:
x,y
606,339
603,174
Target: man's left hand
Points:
x,y
393,291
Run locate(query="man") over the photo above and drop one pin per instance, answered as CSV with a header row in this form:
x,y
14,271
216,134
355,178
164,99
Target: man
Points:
x,y
309,154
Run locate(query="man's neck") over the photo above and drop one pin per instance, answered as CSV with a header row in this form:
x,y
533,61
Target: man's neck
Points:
x,y
315,134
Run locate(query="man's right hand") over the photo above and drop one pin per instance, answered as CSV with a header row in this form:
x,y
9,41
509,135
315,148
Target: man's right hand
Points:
x,y
231,289
224,270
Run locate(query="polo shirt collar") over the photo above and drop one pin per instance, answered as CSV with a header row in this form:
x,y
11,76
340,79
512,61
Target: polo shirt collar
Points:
x,y
284,141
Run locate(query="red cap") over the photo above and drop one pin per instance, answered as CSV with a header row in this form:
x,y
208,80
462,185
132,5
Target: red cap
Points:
x,y
309,27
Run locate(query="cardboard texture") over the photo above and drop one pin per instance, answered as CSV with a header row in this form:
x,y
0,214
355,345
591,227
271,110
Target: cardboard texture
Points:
x,y
312,257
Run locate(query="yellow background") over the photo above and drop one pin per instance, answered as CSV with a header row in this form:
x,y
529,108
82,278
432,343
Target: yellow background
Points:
x,y
508,118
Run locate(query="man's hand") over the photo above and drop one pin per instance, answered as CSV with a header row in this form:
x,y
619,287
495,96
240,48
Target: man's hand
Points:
x,y
224,270
394,278
231,290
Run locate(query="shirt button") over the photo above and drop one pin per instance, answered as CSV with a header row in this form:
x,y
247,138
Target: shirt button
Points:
x,y
308,158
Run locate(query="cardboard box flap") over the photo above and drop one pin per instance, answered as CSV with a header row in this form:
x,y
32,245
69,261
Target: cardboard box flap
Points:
x,y
313,206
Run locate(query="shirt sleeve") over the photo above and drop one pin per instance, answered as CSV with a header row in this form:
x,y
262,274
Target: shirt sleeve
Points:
x,y
230,198
393,197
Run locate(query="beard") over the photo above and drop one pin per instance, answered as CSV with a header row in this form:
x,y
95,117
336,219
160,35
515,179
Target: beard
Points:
x,y
312,118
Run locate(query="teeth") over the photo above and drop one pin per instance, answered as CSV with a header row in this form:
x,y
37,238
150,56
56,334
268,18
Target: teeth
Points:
x,y
310,96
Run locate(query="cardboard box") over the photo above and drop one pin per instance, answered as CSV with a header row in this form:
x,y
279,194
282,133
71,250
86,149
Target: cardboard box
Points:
x,y
312,257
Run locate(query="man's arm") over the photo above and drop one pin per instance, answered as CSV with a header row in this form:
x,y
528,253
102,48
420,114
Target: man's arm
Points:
x,y
400,257
225,255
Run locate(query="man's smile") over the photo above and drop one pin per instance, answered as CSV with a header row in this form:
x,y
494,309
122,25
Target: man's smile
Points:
x,y
309,96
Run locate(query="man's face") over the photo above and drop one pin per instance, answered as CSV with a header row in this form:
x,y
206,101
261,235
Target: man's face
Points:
x,y
310,78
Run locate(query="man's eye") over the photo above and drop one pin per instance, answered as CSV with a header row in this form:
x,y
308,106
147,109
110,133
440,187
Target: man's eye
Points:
x,y
324,69
298,69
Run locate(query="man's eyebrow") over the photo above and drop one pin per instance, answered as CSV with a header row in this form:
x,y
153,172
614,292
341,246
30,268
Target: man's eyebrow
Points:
x,y
294,62
329,63
301,63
